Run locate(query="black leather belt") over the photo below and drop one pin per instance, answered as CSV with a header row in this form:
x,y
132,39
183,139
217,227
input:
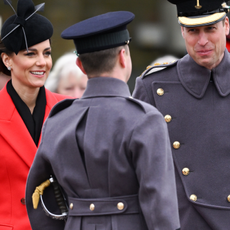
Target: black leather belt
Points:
x,y
103,206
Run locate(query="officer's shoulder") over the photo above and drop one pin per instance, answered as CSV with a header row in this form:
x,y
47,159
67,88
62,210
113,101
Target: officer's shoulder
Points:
x,y
156,67
145,107
61,106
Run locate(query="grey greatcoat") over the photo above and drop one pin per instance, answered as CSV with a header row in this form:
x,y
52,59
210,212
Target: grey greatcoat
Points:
x,y
196,104
103,149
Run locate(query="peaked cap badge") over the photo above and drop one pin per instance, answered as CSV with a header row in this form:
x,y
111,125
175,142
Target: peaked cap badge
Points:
x,y
198,6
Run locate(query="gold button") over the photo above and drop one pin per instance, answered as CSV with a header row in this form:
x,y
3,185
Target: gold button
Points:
x,y
228,198
71,206
193,197
185,171
160,92
176,145
92,207
120,206
168,118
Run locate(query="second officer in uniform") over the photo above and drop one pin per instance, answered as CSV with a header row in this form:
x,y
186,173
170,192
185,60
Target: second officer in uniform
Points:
x,y
109,152
194,96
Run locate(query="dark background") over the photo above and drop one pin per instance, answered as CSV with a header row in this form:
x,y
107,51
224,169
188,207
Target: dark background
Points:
x,y
154,31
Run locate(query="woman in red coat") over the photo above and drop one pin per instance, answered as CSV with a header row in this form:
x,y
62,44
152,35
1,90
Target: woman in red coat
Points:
x,y
24,105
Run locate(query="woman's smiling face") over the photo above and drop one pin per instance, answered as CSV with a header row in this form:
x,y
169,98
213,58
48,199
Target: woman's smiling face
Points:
x,y
31,69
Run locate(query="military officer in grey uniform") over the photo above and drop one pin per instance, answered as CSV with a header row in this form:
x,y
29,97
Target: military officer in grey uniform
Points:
x,y
110,153
193,96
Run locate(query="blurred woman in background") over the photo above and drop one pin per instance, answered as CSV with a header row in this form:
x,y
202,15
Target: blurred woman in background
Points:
x,y
66,78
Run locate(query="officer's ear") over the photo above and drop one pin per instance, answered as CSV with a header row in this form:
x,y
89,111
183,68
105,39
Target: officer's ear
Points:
x,y
122,57
226,23
182,31
79,64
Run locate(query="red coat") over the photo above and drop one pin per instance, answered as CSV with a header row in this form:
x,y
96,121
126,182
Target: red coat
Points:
x,y
17,150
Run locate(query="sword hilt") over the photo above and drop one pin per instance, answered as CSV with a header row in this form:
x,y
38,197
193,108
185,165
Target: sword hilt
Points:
x,y
61,201
59,196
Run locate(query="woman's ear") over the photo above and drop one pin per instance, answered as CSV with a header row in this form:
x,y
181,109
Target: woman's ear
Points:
x,y
6,60
79,64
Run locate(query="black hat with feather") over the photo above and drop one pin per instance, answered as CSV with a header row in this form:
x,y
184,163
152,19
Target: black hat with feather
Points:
x,y
26,28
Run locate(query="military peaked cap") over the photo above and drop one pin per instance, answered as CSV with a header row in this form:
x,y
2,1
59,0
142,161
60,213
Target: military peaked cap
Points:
x,y
100,32
193,13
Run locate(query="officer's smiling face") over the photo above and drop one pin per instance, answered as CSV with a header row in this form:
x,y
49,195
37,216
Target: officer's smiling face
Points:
x,y
206,44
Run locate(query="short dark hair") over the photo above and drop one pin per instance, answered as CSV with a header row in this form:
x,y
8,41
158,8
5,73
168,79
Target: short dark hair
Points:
x,y
102,61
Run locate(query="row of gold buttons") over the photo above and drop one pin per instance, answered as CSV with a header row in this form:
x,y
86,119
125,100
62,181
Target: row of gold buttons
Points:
x,y
185,172
160,92
194,198
176,144
120,206
168,118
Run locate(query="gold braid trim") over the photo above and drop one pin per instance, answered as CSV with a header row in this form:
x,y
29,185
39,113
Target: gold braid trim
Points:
x,y
199,21
39,191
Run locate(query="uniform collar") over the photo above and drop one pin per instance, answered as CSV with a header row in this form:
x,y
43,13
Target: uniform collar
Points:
x,y
195,78
106,87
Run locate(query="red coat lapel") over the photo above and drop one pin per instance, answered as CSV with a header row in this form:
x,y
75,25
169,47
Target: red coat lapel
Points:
x,y
13,129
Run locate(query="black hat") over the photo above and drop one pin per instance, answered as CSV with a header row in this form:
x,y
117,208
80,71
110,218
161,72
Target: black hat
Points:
x,y
100,32
193,13
26,28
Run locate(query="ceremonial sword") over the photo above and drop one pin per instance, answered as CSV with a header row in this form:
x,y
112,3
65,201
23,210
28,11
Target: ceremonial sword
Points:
x,y
60,198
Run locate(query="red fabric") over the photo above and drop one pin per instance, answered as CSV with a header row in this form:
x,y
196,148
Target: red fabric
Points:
x,y
17,151
228,45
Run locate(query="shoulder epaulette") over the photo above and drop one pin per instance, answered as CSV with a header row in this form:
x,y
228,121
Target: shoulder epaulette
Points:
x,y
157,67
60,106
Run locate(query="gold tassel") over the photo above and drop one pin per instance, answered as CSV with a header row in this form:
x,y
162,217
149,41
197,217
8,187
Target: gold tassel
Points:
x,y
39,191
